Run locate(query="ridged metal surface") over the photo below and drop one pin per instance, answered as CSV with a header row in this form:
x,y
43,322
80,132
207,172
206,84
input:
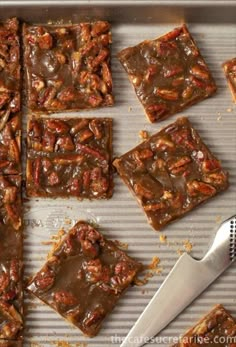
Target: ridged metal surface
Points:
x,y
121,218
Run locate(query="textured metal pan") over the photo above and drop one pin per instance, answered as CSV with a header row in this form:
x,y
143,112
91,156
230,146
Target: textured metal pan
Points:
x,y
121,218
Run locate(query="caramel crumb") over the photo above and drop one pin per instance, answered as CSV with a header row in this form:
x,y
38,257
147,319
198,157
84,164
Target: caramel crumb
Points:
x,y
151,270
121,245
154,263
67,344
180,252
187,246
68,221
229,110
144,135
218,219
130,109
163,238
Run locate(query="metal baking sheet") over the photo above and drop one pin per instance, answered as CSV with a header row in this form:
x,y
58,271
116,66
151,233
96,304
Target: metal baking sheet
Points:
x,y
212,25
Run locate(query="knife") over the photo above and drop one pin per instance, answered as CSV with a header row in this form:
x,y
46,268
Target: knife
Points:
x,y
187,280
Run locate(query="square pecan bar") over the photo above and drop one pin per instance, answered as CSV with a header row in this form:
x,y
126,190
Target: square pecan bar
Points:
x,y
69,157
84,277
9,56
171,173
11,305
168,73
230,73
68,68
217,328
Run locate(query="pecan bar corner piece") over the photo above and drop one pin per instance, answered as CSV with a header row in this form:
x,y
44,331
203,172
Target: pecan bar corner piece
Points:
x,y
97,276
167,73
216,328
229,68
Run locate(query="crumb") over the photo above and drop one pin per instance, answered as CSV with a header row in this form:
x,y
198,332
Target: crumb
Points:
x,y
35,344
62,344
154,263
179,251
121,245
218,219
59,235
46,243
143,134
149,271
130,109
229,110
219,116
187,246
163,238
68,221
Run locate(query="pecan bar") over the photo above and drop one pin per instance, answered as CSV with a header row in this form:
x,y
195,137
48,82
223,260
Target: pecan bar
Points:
x,y
9,56
230,73
171,173
168,73
84,277
68,68
10,218
217,328
69,157
10,299
10,133
10,201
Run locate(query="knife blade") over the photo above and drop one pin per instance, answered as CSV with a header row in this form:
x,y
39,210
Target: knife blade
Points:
x,y
188,278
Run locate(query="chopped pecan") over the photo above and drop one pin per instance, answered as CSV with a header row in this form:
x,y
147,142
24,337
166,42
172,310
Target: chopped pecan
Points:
x,y
64,143
65,298
45,41
48,141
94,317
96,127
85,135
154,207
53,179
164,144
99,186
168,94
14,270
67,94
210,165
195,188
172,71
57,126
99,28
179,165
10,195
199,72
90,151
44,280
4,281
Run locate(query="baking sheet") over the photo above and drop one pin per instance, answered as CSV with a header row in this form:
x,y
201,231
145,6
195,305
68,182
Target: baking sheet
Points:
x,y
121,218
